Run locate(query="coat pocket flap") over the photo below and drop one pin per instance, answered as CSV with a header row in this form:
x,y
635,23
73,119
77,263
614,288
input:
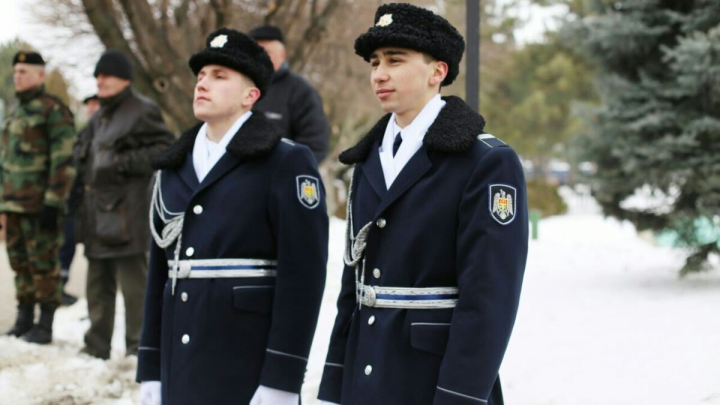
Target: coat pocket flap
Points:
x,y
430,329
430,337
108,202
254,298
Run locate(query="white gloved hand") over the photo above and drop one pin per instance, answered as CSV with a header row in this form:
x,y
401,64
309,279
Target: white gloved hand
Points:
x,y
150,393
271,396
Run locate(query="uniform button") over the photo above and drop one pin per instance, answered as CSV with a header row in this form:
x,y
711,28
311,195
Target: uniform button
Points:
x,y
184,297
368,369
198,209
189,252
376,273
381,223
371,320
186,340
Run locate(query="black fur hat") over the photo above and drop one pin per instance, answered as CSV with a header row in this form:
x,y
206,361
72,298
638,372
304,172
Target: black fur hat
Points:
x,y
235,50
411,27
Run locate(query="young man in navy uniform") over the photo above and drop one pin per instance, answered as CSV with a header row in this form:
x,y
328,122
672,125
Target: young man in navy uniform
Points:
x,y
237,265
437,233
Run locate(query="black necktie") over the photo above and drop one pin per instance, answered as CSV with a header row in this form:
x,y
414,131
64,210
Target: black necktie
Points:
x,y
396,144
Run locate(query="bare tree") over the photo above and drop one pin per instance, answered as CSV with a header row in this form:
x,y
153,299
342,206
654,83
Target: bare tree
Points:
x,y
159,36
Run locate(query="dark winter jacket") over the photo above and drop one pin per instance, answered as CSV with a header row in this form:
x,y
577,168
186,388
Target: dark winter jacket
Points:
x,y
455,217
222,334
292,104
115,155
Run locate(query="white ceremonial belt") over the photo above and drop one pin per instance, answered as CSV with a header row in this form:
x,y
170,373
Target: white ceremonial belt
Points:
x,y
408,298
224,268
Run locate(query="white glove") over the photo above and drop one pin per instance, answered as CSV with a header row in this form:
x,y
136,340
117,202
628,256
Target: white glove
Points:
x,y
271,396
328,403
150,393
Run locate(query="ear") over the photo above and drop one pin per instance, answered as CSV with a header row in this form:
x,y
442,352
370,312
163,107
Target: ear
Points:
x,y
440,71
252,95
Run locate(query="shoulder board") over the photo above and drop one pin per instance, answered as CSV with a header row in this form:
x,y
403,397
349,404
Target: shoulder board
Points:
x,y
287,141
490,140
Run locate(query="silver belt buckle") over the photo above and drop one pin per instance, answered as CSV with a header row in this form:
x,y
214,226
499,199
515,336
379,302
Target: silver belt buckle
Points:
x,y
369,297
184,269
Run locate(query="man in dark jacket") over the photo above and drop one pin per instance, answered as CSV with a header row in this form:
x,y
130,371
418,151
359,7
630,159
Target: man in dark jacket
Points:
x,y
437,233
240,231
115,157
290,101
67,250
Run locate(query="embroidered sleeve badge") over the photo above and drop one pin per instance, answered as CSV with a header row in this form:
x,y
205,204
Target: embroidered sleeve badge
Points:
x,y
502,203
308,191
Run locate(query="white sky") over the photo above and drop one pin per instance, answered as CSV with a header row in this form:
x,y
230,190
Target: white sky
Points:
x,y
9,19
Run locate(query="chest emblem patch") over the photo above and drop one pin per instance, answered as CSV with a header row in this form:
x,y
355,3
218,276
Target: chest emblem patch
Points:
x,y
502,203
308,191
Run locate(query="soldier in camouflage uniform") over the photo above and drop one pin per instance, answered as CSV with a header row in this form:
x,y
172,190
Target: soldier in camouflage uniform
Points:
x,y
36,174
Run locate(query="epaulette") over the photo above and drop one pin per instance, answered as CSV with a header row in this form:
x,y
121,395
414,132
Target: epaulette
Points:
x,y
491,141
287,141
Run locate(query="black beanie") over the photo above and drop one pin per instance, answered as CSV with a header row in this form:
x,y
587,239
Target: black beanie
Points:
x,y
411,27
266,32
237,51
114,63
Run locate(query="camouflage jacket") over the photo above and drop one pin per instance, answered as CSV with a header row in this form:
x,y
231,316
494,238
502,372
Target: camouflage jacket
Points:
x,y
36,147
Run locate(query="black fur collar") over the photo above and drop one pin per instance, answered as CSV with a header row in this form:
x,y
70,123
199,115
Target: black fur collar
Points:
x,y
257,137
455,130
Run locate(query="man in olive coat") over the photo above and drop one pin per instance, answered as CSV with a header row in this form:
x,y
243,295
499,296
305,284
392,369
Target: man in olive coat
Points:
x,y
36,174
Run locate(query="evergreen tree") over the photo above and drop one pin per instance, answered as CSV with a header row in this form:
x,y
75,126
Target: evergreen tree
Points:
x,y
658,130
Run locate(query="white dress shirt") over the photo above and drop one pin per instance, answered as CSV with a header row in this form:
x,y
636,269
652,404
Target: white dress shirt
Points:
x,y
206,153
412,139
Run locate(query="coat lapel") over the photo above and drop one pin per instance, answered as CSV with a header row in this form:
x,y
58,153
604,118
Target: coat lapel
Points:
x,y
413,171
372,170
187,173
226,163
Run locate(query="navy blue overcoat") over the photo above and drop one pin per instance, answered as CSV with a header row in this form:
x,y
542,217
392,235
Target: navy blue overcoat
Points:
x,y
456,216
215,339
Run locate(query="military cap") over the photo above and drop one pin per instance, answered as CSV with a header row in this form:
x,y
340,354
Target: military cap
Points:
x,y
237,51
90,98
411,27
268,33
30,58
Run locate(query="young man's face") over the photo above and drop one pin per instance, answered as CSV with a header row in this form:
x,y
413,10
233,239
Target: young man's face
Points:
x,y
221,93
26,76
109,86
404,80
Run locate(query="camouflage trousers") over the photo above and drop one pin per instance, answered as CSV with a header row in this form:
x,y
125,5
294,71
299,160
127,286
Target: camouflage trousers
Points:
x,y
33,254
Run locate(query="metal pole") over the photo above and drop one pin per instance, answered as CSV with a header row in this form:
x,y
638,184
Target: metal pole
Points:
x,y
472,54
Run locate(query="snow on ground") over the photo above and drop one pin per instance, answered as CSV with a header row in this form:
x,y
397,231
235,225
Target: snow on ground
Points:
x,y
603,319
